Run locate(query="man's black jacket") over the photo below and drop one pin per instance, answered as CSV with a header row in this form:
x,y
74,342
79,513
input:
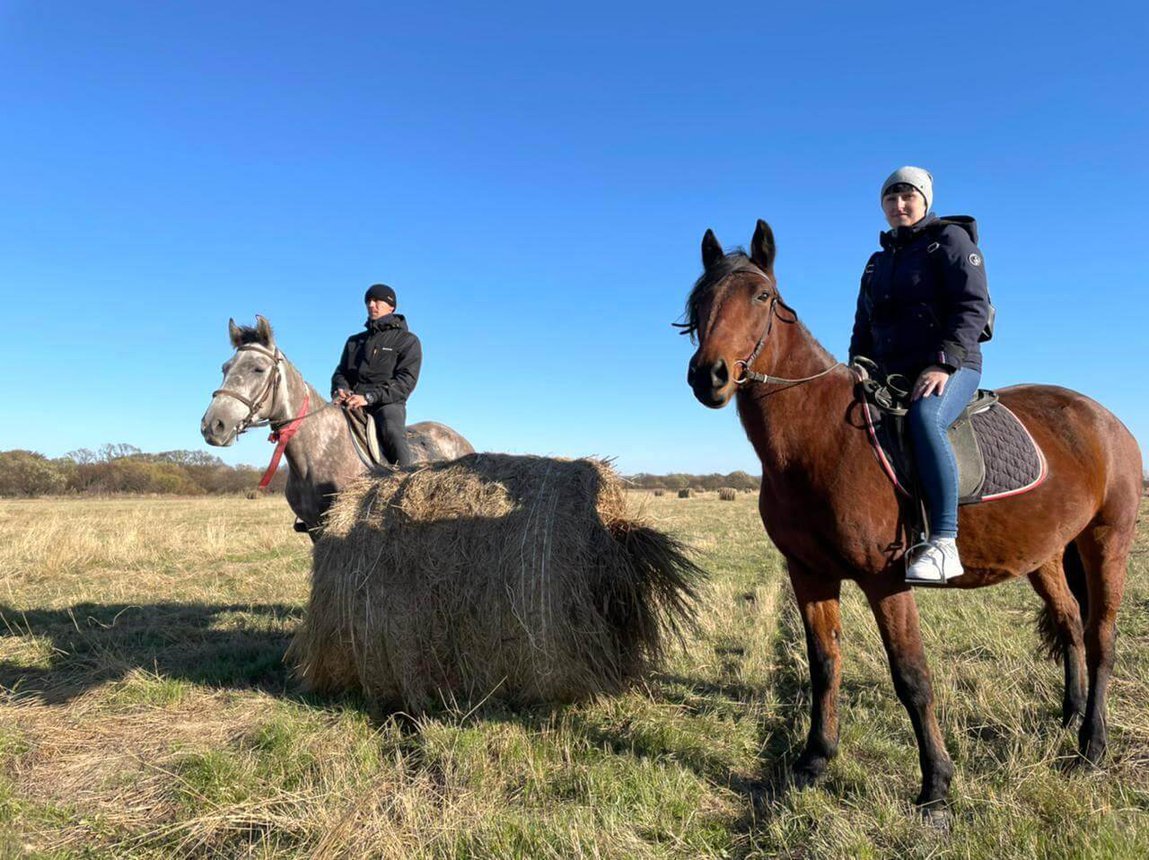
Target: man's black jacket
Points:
x,y
924,298
381,363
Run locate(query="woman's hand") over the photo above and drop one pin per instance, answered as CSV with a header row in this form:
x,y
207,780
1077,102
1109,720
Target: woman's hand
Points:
x,y
932,380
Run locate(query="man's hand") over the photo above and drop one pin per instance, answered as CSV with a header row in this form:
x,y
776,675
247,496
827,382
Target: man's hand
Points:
x,y
932,380
341,396
355,401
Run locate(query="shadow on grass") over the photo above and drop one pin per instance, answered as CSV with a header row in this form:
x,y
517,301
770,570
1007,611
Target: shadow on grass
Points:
x,y
227,645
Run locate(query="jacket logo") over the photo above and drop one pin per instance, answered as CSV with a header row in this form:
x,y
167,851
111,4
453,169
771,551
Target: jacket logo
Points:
x,y
974,260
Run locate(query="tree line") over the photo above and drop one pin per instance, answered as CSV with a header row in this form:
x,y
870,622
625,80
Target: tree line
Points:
x,y
121,468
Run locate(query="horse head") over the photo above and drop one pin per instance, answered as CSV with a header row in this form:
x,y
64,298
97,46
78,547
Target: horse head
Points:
x,y
729,313
252,381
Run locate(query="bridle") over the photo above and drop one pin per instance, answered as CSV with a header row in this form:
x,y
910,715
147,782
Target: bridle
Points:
x,y
269,392
744,364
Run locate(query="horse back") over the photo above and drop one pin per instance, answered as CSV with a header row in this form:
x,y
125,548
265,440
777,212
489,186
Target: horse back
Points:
x,y
430,440
1085,445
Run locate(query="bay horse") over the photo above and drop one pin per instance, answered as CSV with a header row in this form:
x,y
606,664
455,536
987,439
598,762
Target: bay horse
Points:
x,y
833,514
261,386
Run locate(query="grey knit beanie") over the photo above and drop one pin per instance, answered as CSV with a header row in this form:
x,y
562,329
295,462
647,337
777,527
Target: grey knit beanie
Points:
x,y
915,177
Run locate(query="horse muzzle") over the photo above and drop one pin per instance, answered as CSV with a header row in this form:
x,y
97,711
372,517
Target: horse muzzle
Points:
x,y
217,431
711,382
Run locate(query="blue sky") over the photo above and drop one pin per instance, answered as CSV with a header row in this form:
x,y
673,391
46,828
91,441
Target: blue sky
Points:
x,y
534,182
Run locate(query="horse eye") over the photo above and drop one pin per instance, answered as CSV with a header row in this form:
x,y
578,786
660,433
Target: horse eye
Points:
x,y
762,297
261,370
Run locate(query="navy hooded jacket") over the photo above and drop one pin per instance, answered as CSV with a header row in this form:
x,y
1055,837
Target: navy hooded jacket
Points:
x,y
924,299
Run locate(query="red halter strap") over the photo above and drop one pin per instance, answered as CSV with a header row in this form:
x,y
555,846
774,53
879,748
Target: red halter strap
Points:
x,y
281,437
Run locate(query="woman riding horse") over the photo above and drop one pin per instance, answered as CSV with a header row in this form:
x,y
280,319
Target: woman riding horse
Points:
x,y
922,310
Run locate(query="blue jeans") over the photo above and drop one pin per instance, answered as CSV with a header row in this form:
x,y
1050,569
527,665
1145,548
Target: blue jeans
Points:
x,y
929,419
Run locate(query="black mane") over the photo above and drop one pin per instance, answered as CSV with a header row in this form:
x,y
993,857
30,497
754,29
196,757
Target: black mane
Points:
x,y
735,261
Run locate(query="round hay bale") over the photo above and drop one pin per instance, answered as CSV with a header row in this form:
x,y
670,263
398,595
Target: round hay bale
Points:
x,y
658,493
727,494
519,577
684,493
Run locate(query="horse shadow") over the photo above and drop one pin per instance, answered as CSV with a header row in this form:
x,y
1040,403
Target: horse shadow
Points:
x,y
86,645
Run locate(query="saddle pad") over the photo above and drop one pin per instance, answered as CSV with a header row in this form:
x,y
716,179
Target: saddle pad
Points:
x,y
997,459
1013,461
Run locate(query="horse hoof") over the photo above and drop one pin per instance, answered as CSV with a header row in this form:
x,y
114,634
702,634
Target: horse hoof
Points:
x,y
807,772
936,818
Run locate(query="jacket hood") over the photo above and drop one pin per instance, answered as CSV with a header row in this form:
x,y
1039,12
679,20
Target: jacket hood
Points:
x,y
900,236
390,321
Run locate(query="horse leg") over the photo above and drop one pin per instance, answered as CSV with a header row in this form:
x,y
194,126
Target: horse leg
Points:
x,y
1061,628
818,603
896,612
1104,552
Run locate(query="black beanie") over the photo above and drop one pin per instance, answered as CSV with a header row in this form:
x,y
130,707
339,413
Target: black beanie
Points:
x,y
383,292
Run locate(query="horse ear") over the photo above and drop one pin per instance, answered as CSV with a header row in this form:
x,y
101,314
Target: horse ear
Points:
x,y
263,329
762,247
711,250
234,333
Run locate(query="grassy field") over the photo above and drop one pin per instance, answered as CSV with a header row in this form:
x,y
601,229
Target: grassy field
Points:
x,y
145,712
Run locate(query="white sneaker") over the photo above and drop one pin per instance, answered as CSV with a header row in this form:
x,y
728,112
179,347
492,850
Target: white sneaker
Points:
x,y
937,563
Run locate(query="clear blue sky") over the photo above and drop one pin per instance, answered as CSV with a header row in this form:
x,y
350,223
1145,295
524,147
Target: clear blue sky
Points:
x,y
534,182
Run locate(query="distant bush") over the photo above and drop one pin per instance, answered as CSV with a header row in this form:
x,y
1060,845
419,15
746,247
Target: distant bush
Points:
x,y
126,469
26,473
684,493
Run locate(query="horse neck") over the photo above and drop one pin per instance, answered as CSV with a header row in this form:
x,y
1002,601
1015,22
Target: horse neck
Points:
x,y
793,424
314,453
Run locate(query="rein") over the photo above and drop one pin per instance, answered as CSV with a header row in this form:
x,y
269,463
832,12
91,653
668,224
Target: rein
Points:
x,y
743,365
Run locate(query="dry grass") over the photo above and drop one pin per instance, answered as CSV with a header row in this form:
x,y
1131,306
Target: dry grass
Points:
x,y
145,712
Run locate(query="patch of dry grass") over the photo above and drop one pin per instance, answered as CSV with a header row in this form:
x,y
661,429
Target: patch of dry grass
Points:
x,y
145,712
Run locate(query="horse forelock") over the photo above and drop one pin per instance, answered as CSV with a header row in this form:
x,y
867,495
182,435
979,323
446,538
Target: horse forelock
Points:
x,y
735,261
251,334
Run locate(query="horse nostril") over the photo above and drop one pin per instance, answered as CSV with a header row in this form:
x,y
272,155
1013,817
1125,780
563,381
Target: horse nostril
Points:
x,y
719,374
690,372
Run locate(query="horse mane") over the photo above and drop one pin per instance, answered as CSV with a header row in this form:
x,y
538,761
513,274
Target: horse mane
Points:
x,y
735,261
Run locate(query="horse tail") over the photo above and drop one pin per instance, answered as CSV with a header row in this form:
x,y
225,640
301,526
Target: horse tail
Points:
x,y
1051,641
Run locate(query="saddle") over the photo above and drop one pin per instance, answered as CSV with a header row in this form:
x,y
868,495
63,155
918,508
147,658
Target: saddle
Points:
x,y
361,423
997,457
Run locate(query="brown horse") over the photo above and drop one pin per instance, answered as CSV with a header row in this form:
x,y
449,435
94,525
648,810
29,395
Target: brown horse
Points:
x,y
831,511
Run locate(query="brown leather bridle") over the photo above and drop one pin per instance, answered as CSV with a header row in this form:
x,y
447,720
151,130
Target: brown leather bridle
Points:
x,y
269,392
743,364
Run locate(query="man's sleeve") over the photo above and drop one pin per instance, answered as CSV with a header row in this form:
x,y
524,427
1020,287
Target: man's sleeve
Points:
x,y
964,307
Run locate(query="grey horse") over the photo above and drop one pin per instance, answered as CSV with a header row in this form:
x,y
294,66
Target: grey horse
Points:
x,y
261,386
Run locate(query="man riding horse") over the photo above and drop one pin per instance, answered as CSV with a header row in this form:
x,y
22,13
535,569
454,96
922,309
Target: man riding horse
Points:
x,y
378,371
